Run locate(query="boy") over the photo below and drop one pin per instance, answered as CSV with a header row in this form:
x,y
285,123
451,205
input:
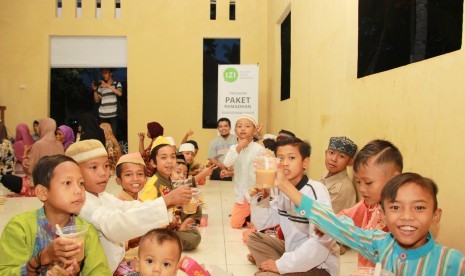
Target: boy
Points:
x,y
130,174
29,244
339,155
409,204
241,156
117,221
188,150
302,250
159,253
220,146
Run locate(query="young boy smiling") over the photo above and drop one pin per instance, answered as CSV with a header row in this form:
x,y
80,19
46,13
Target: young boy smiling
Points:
x,y
410,207
117,221
302,250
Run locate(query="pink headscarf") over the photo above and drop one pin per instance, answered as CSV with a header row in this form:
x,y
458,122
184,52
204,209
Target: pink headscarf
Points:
x,y
69,135
23,138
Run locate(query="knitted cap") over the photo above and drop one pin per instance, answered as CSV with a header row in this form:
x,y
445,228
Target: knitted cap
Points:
x,y
135,158
248,117
85,150
343,144
187,147
159,141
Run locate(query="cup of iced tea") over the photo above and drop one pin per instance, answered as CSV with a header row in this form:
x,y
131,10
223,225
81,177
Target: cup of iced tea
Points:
x,y
77,233
265,170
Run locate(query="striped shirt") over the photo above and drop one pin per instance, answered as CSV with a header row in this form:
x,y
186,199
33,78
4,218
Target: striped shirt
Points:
x,y
108,103
378,246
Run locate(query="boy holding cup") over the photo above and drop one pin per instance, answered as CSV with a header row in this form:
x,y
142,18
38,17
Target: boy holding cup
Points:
x,y
302,250
30,245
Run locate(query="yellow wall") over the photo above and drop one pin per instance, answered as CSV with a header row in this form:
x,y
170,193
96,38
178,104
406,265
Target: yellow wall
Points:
x,y
417,107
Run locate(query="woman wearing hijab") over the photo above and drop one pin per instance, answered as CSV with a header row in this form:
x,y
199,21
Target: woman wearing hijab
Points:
x,y
46,145
23,139
154,130
112,145
90,128
65,135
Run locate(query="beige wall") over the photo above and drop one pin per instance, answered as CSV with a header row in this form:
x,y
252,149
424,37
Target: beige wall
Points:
x,y
417,107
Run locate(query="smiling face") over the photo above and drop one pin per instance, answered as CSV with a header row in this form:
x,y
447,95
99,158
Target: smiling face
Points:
x,y
410,215
165,161
158,259
224,128
96,173
244,129
336,161
180,172
371,179
291,160
66,194
132,178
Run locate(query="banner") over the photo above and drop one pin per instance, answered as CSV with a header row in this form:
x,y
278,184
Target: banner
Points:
x,y
237,91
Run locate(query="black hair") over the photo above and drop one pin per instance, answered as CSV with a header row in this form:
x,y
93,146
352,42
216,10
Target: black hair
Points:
x,y
160,236
154,152
286,133
180,159
389,191
196,146
35,122
305,149
43,170
269,144
223,120
3,132
383,152
119,170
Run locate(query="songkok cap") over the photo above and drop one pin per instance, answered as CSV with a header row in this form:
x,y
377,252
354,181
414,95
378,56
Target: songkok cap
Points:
x,y
171,140
343,144
159,141
155,129
135,158
248,117
269,136
85,150
187,147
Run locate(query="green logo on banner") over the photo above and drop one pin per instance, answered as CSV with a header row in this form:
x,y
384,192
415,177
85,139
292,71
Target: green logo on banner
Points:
x,y
230,75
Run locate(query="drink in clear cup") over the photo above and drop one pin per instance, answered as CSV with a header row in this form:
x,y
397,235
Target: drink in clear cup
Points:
x,y
77,233
265,169
190,207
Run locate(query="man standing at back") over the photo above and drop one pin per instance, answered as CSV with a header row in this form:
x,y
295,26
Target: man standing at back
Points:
x,y
220,146
105,93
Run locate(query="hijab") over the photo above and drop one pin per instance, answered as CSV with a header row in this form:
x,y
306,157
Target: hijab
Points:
x,y
23,138
46,145
90,128
69,135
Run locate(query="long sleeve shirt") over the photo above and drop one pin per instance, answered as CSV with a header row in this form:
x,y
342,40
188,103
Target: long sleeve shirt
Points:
x,y
378,246
119,221
244,174
304,249
341,190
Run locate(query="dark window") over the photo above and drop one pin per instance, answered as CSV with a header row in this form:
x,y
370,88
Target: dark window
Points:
x,y
213,10
215,52
286,58
398,32
232,10
99,4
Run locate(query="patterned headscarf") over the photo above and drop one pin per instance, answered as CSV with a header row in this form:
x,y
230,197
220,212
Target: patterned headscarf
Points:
x,y
343,144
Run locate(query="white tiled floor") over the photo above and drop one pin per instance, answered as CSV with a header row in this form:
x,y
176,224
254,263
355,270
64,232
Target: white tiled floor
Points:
x,y
221,245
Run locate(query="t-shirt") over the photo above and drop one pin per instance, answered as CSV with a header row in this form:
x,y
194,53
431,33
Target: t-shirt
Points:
x,y
108,103
220,146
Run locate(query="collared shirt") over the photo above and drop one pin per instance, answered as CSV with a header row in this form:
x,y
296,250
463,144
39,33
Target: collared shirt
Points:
x,y
341,190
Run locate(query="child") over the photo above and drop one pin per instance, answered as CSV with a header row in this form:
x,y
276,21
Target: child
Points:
x,y
241,156
339,155
188,150
375,164
409,204
117,221
302,249
159,253
29,244
154,129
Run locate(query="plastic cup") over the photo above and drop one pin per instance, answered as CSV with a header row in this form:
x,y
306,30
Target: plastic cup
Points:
x,y
370,271
190,207
77,233
265,170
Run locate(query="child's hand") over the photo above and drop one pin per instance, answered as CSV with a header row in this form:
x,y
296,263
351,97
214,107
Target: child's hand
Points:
x,y
141,136
190,132
71,270
226,173
178,196
210,170
318,231
61,250
243,143
269,265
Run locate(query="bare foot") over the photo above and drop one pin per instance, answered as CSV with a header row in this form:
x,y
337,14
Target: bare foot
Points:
x,y
250,258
